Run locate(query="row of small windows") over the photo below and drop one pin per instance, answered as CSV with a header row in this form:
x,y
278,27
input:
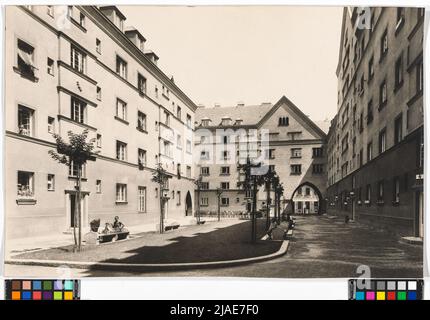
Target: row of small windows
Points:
x,y
269,153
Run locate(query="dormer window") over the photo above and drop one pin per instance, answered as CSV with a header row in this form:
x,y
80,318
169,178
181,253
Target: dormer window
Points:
x,y
239,122
206,122
226,121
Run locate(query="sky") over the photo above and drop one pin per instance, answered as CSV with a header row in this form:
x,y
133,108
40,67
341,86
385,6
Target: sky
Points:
x,y
251,54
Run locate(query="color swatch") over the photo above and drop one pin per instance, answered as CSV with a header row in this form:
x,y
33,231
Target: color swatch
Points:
x,y
385,289
42,289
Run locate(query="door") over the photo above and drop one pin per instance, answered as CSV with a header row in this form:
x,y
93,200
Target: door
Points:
x,y
188,205
307,207
71,212
72,222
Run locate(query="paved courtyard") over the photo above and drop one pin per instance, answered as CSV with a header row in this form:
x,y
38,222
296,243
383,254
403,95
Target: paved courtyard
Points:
x,y
321,247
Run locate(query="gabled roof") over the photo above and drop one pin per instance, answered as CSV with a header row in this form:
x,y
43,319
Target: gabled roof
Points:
x,y
300,115
250,115
256,115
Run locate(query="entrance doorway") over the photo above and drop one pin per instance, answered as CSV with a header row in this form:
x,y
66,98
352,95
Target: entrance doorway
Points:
x,y
188,205
71,211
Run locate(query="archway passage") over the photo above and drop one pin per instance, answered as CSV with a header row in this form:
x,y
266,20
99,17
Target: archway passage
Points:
x,y
307,199
188,205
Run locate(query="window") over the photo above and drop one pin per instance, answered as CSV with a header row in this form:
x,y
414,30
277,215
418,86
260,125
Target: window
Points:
x,y
204,155
225,155
360,159
178,112
121,109
370,111
121,192
225,170
384,44
419,78
25,184
368,193
99,93
141,83
270,154
166,118
77,59
369,151
204,202
188,172
98,46
141,200
25,121
204,171
121,67
396,190
51,182
179,141
205,186
73,170
167,151
398,135
296,153
317,168
78,110
51,125
307,191
398,73
317,152
345,143
188,146
299,191
141,121
400,18
25,58
178,198
381,190
382,140
189,121
82,19
50,10
382,95
121,151
99,140
283,121
70,11
296,169
206,122
50,66
225,185
370,68
141,157
98,186
225,202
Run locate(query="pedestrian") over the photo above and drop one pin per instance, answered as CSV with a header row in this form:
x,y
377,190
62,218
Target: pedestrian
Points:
x,y
273,226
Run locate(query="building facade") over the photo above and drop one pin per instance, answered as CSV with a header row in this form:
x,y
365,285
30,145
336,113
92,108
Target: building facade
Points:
x,y
375,142
71,68
277,135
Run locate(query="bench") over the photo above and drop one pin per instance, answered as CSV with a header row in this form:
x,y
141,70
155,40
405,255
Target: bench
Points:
x,y
114,236
171,227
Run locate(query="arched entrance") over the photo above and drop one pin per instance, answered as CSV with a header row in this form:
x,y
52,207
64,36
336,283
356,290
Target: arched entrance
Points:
x,y
188,205
306,199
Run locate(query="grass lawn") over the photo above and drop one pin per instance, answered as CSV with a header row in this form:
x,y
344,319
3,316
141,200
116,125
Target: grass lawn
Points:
x,y
215,241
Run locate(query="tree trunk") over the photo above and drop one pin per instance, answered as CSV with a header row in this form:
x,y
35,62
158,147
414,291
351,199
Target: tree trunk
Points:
x,y
268,206
198,205
219,207
79,208
161,209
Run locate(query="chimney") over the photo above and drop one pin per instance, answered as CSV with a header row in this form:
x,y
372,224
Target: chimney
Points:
x,y
217,105
241,104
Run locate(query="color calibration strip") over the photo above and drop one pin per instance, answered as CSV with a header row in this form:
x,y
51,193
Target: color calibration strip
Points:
x,y
42,289
379,289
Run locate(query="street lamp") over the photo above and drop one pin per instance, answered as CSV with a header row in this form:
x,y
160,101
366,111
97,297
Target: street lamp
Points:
x,y
198,183
219,192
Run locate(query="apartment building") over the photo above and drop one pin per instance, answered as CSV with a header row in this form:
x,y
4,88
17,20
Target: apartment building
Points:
x,y
375,142
71,68
277,135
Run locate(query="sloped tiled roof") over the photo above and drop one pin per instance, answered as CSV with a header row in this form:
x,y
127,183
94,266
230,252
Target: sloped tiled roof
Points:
x,y
250,115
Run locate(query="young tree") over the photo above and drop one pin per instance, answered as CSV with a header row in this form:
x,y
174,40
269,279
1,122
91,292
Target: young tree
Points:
x,y
161,176
76,152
